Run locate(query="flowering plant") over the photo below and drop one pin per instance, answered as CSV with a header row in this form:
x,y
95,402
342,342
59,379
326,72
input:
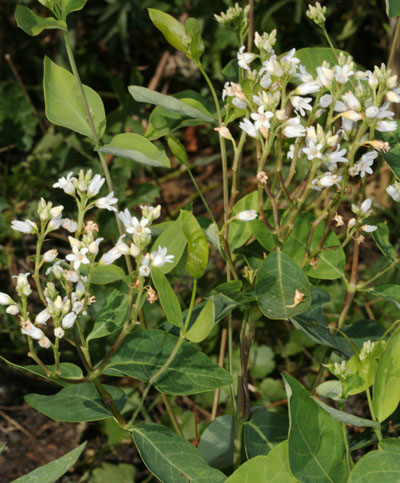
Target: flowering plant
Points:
x,y
317,126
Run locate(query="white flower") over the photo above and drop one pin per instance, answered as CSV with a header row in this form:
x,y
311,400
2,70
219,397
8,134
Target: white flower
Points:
x,y
78,256
151,213
325,101
239,103
107,202
301,104
70,225
294,128
159,257
132,224
50,255
261,118
27,328
144,269
265,81
12,310
326,181
325,76
272,66
343,73
44,342
68,320
289,61
55,223
59,332
303,75
351,101
365,206
26,226
56,269
248,127
134,250
95,185
94,246
71,276
352,115
393,96
247,215
245,58
384,112
369,228
365,163
23,288
372,111
313,150
386,126
394,191
5,299
66,184
307,88
223,132
337,156
110,256
42,317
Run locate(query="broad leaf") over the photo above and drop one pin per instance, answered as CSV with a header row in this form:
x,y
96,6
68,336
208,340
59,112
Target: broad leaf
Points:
x,y
273,468
112,315
379,466
64,105
317,450
263,431
172,29
204,323
217,442
54,470
392,157
196,46
240,231
136,148
389,292
277,282
69,6
347,418
33,24
329,263
175,241
381,238
387,380
105,274
143,352
142,94
313,57
392,8
197,244
80,402
169,301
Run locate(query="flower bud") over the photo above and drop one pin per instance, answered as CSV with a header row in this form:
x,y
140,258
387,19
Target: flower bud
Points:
x,y
50,256
5,299
59,332
68,320
58,303
12,310
42,317
44,342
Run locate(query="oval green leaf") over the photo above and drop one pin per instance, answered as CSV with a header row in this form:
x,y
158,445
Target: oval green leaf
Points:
x,y
168,300
203,325
137,148
172,29
69,6
33,25
197,244
277,281
175,241
171,458
217,442
105,274
64,105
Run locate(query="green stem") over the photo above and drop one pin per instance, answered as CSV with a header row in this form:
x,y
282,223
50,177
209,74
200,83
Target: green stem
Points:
x,y
109,402
32,354
377,431
171,414
36,276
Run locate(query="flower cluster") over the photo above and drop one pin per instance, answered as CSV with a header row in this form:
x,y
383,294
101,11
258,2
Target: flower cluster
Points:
x,y
66,295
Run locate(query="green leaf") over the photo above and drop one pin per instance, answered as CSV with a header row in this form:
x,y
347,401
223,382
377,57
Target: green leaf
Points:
x,y
263,431
392,8
203,325
313,57
241,231
69,6
33,25
80,402
136,148
217,442
143,352
261,361
277,281
263,235
54,470
67,371
389,292
392,157
379,466
177,149
175,241
387,380
64,105
172,29
347,418
105,274
197,244
169,301
196,47
330,263
121,473
317,451
273,468
142,94
112,314
381,238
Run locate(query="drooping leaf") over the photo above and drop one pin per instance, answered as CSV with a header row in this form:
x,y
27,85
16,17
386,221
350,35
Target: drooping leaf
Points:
x,y
142,94
64,105
171,458
136,148
143,352
175,241
381,465
172,29
386,395
317,450
169,301
273,468
263,431
329,263
54,470
217,442
112,314
105,274
33,24
204,323
80,402
277,281
197,244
